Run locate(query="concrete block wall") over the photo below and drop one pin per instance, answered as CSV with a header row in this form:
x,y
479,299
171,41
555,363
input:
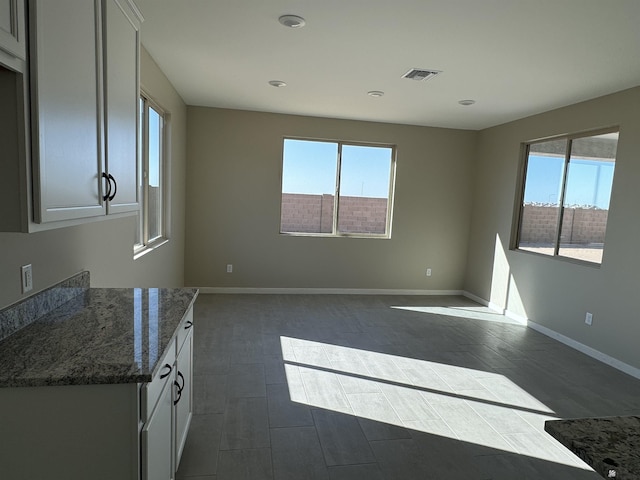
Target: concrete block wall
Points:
x,y
579,226
314,214
362,215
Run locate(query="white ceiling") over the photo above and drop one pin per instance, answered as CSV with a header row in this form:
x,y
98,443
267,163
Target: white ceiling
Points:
x,y
513,57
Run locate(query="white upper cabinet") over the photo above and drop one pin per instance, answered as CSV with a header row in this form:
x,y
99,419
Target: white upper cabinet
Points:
x,y
121,36
84,85
12,28
66,76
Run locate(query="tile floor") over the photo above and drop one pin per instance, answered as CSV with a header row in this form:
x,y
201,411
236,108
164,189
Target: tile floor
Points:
x,y
384,387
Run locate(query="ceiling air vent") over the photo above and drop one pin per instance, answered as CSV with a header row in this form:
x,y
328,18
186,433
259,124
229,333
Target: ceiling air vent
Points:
x,y
420,74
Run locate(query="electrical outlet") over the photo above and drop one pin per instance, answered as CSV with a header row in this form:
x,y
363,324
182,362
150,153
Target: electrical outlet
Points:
x,y
588,319
27,278
229,268
428,272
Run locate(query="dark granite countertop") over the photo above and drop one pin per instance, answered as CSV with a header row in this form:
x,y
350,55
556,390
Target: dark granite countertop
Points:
x,y
101,336
610,445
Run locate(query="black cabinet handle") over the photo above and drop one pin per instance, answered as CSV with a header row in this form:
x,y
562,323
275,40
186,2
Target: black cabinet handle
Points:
x,y
179,392
115,187
108,185
188,325
165,375
182,377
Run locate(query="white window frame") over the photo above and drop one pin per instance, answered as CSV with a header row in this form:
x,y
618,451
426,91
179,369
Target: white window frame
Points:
x,y
336,206
147,244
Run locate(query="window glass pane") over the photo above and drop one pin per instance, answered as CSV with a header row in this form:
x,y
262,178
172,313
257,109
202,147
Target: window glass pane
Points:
x,y
308,186
154,175
542,195
586,202
364,189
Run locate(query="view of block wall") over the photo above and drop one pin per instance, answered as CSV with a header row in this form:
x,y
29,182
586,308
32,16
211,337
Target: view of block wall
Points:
x,y
314,214
579,225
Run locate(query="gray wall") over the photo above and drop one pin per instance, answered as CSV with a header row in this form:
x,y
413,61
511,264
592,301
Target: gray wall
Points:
x,y
105,248
233,207
551,292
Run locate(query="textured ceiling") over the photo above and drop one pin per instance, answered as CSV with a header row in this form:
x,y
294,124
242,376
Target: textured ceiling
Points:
x,y
513,57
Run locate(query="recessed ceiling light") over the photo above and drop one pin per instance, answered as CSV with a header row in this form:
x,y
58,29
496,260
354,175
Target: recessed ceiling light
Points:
x,y
292,21
466,103
277,83
375,93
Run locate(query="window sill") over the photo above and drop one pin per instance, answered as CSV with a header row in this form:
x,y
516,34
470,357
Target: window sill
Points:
x,y
142,251
560,258
329,235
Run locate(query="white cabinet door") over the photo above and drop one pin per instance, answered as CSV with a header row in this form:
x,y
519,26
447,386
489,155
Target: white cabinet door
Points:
x,y
12,28
157,440
121,52
184,402
67,109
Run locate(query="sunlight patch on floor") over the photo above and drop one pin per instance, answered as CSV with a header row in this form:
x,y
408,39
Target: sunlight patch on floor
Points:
x,y
451,401
473,313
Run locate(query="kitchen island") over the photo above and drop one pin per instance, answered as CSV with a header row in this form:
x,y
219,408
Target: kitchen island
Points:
x,y
610,445
98,387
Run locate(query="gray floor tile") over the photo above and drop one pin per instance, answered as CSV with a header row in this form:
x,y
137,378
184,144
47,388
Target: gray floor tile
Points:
x,y
271,344
539,445
342,440
374,406
246,351
246,380
284,412
297,454
246,424
469,426
245,464
368,471
375,430
323,389
211,361
209,394
510,466
200,454
399,387
400,459
274,369
408,403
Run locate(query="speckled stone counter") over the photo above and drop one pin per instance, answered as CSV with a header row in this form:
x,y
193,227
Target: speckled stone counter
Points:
x,y
610,445
26,311
99,336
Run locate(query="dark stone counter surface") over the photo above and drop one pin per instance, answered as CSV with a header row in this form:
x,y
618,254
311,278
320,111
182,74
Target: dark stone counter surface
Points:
x,y
99,336
610,445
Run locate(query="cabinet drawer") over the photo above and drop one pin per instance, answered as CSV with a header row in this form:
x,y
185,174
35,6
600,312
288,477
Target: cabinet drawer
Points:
x,y
151,391
185,327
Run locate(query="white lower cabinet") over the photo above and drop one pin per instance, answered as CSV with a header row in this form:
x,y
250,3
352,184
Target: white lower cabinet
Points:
x,y
167,407
184,402
157,440
123,431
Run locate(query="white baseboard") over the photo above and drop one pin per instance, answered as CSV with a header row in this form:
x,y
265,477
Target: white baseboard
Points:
x,y
592,352
475,298
570,342
518,318
326,291
496,308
